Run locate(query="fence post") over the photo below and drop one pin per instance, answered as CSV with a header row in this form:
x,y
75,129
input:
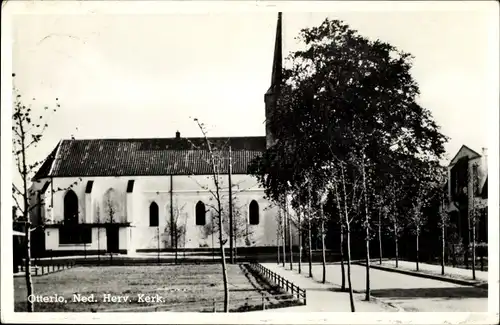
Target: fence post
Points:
x,y
36,270
305,297
215,309
263,302
43,270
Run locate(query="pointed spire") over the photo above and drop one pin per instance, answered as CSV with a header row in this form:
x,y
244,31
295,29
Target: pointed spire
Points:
x,y
277,60
271,96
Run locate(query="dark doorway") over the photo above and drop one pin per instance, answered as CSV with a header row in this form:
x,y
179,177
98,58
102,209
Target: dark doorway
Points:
x,y
112,239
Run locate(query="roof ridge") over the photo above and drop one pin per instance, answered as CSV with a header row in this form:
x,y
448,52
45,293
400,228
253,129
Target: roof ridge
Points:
x,y
164,138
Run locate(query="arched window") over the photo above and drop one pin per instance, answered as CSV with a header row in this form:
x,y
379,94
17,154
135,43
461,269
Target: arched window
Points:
x,y
254,213
200,214
153,215
70,208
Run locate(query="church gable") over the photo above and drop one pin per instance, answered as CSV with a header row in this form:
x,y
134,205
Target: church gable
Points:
x,y
142,157
464,152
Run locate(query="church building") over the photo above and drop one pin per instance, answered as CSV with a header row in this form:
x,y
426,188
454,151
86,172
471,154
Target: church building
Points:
x,y
143,195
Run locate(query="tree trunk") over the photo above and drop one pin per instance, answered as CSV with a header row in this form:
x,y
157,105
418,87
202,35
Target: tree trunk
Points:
x,y
235,240
290,235
213,242
300,241
348,229
278,244
367,229
323,249
309,240
24,176
396,246
98,245
158,243
379,237
283,233
342,268
29,283
443,246
231,233
473,250
176,242
351,296
466,257
418,235
224,268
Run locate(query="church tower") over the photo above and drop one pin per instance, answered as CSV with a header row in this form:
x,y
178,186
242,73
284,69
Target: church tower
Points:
x,y
271,96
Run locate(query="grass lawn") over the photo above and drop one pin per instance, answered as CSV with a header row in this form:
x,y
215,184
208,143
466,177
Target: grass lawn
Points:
x,y
180,288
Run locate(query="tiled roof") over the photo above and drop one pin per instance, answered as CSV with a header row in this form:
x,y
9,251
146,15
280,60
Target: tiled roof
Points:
x,y
45,168
136,157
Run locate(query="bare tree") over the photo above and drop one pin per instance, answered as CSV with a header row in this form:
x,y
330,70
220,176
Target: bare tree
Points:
x,y
241,229
347,222
110,210
379,227
216,161
28,127
299,226
98,220
342,226
350,210
175,229
417,219
367,226
444,220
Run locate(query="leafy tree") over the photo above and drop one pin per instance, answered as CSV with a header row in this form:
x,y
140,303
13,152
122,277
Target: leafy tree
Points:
x,y
348,100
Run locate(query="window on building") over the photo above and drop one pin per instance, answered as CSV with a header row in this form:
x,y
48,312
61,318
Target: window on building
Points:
x,y
200,214
130,186
88,189
70,208
75,234
153,215
254,213
72,232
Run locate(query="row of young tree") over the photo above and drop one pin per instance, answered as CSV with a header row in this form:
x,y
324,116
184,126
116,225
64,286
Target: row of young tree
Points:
x,y
351,144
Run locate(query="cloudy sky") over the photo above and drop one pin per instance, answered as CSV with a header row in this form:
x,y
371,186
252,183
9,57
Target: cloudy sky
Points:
x,y
144,75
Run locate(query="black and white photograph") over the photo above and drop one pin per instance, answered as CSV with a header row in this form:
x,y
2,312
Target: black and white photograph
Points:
x,y
234,161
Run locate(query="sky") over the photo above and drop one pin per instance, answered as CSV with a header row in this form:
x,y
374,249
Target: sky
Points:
x,y
147,75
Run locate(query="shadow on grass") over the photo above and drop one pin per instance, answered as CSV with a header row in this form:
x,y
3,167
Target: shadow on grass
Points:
x,y
447,292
